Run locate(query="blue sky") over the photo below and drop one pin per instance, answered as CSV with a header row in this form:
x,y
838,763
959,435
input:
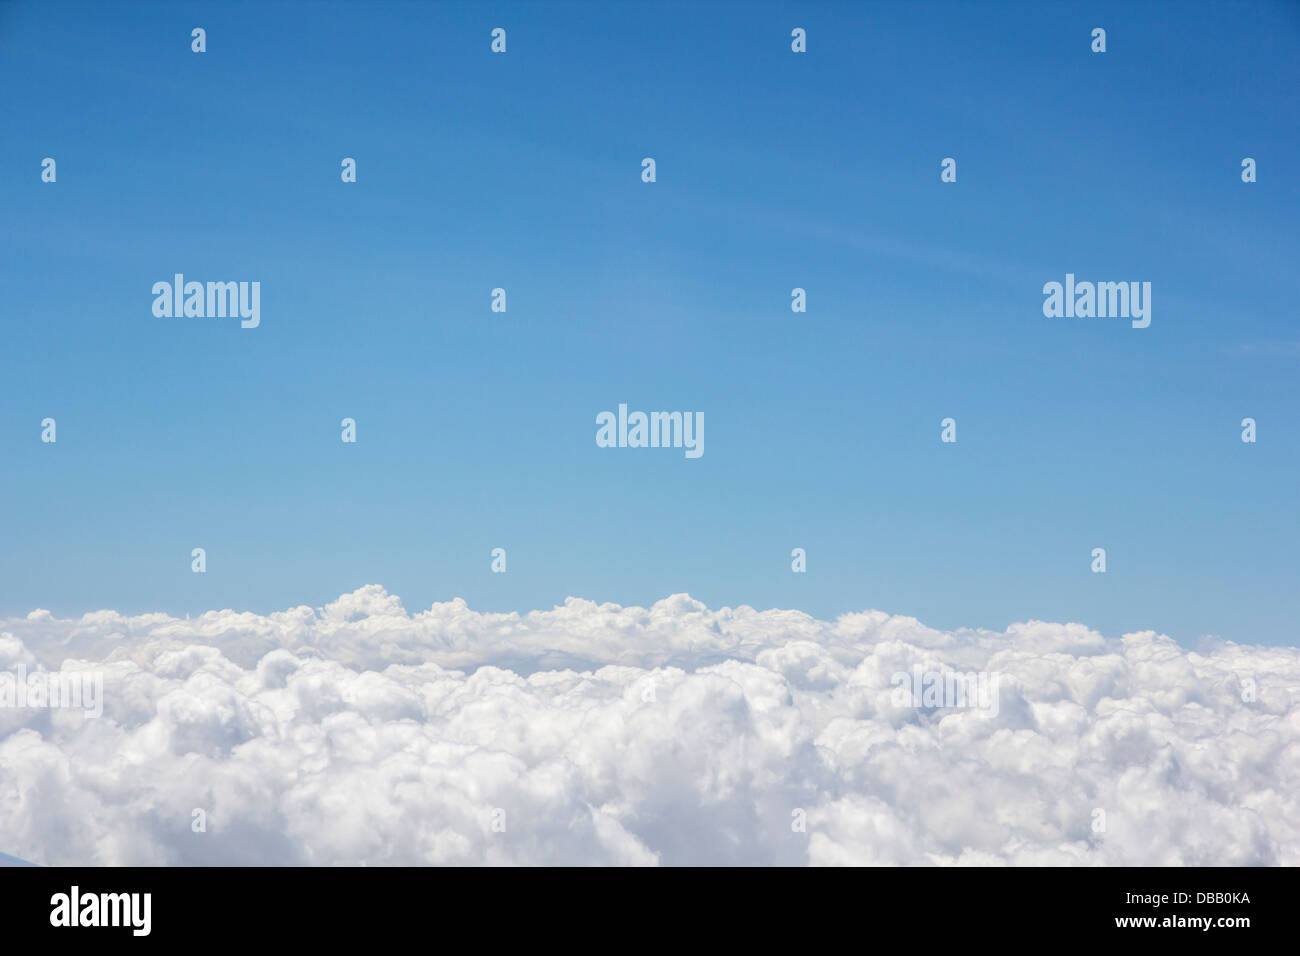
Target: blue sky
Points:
x,y
775,170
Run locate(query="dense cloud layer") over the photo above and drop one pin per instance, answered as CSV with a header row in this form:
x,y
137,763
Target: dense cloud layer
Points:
x,y
673,734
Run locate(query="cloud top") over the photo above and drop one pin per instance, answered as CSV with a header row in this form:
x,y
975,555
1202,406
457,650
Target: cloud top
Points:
x,y
674,734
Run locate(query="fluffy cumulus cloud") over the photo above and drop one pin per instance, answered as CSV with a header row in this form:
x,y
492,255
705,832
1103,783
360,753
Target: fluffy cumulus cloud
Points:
x,y
674,734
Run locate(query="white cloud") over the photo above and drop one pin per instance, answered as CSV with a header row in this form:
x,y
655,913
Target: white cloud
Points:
x,y
359,733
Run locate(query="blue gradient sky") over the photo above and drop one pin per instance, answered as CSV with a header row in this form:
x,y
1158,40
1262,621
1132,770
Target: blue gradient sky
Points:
x,y
775,170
